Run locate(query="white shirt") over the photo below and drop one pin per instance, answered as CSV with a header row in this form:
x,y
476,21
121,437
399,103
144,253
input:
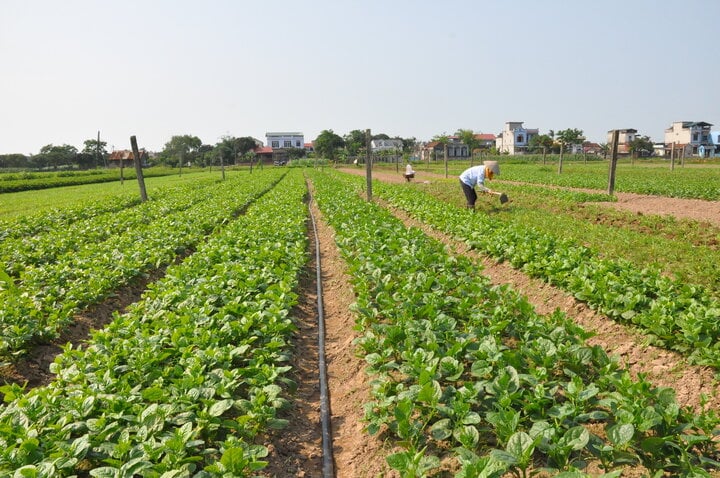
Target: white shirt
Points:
x,y
475,176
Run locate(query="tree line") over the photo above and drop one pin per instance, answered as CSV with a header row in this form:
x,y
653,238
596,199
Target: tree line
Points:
x,y
185,150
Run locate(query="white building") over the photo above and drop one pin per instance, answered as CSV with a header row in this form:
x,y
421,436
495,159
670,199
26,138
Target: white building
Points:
x,y
378,145
282,140
514,139
691,138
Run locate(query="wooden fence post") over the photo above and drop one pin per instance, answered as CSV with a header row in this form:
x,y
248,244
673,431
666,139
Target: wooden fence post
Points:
x,y
138,168
368,164
613,162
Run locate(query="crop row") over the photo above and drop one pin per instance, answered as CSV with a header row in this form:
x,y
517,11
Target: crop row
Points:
x,y
679,316
684,182
46,297
94,228
10,183
467,372
29,225
185,382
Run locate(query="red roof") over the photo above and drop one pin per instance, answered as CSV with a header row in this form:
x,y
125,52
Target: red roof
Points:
x,y
263,150
485,137
126,155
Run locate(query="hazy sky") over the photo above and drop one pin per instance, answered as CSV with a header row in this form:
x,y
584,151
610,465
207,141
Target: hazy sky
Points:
x,y
158,68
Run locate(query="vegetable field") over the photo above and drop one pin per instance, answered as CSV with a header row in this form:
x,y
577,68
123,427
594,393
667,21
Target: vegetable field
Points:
x,y
434,367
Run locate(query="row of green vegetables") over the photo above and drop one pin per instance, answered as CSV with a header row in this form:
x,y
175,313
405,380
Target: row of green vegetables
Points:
x,y
10,183
676,315
42,302
95,227
31,224
468,377
692,181
189,379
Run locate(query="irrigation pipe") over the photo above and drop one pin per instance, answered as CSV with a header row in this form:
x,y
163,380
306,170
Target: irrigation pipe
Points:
x,y
328,470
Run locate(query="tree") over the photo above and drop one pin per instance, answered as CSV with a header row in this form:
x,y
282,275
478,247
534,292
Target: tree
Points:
x,y
640,146
180,148
408,144
295,153
14,160
56,156
467,136
244,144
95,148
354,142
570,136
541,143
566,137
327,143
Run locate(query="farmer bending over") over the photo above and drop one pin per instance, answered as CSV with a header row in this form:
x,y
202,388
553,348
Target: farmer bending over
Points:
x,y
476,175
409,173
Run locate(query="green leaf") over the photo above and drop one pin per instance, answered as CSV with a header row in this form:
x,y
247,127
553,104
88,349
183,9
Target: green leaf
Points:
x,y
399,461
234,461
6,282
575,438
218,408
27,471
467,435
620,435
441,429
105,472
520,445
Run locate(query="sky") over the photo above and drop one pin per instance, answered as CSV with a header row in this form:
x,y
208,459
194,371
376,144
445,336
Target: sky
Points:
x,y
215,68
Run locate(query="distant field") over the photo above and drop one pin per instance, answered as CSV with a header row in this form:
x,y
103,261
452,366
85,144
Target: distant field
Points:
x,y
32,201
700,180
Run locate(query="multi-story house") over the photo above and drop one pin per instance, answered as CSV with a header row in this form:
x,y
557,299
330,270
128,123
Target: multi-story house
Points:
x,y
625,137
284,140
514,139
689,138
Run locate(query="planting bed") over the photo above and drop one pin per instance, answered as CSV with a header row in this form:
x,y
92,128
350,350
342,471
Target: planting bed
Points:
x,y
296,450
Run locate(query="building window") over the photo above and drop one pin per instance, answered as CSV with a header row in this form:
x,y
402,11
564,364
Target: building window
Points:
x,y
695,137
519,138
276,144
297,144
287,143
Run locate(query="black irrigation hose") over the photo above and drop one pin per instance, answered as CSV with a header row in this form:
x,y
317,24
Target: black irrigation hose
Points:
x,y
327,450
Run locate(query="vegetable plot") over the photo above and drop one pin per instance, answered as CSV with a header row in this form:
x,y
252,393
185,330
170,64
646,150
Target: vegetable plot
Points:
x,y
45,297
187,381
678,316
467,377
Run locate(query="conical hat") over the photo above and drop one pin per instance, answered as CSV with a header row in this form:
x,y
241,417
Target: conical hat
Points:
x,y
493,166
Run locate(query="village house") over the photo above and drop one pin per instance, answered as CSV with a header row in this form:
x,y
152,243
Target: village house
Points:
x,y
689,138
456,149
278,144
283,140
125,158
625,137
514,139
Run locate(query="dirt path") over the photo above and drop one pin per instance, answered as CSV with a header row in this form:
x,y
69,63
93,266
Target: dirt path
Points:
x,y
297,450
